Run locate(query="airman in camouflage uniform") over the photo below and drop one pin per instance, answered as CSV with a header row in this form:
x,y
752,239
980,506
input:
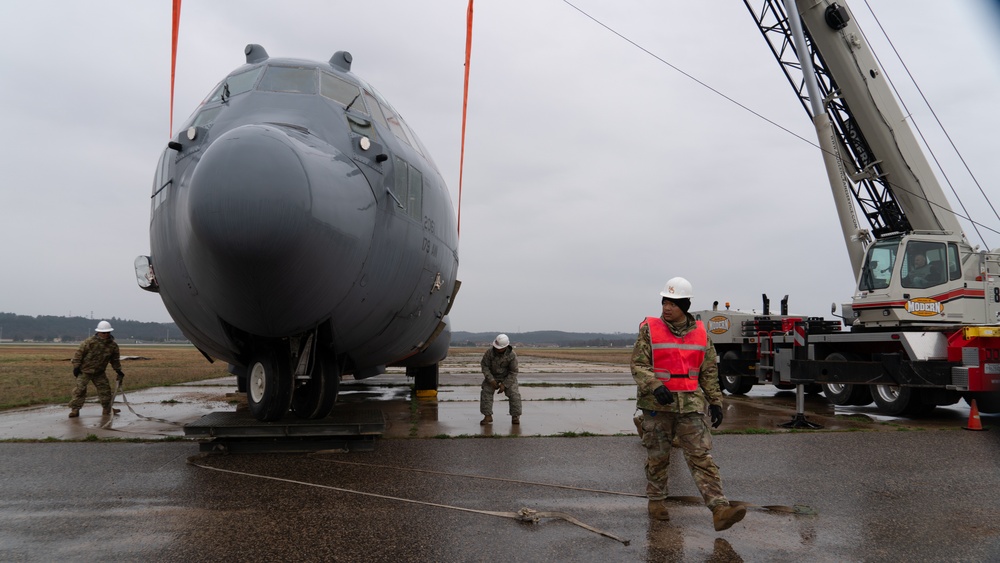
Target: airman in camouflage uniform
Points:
x,y
680,416
89,363
499,365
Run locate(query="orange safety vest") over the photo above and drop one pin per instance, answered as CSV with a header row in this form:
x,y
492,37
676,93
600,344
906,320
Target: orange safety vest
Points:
x,y
677,359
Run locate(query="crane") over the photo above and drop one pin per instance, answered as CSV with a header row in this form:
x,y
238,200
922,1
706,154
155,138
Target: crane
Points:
x,y
924,317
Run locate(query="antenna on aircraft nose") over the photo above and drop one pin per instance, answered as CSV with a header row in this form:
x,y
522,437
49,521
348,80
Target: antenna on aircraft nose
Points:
x,y
342,60
255,53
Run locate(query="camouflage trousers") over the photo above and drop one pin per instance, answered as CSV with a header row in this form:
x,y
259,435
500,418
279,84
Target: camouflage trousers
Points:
x,y
80,391
660,429
509,388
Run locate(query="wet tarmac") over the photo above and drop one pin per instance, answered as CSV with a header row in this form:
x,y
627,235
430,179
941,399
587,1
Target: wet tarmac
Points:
x,y
869,488
560,398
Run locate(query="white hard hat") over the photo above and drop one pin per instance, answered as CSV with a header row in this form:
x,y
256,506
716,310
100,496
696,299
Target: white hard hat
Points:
x,y
677,288
501,342
104,326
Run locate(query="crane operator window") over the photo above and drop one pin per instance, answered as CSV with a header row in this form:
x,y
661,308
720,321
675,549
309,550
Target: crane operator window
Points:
x,y
924,264
877,272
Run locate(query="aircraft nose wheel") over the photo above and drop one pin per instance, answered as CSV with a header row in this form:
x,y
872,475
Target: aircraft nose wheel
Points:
x,y
256,385
315,398
269,386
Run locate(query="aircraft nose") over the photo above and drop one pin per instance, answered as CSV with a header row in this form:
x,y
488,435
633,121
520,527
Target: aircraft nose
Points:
x,y
279,220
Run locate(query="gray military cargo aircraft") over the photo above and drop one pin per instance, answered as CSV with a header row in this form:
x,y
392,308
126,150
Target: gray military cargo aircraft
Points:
x,y
301,232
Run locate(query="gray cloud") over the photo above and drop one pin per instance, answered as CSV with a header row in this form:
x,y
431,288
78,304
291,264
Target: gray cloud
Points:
x,y
598,171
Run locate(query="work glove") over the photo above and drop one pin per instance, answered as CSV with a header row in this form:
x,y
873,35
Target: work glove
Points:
x,y
663,395
494,384
77,372
716,412
121,375
500,389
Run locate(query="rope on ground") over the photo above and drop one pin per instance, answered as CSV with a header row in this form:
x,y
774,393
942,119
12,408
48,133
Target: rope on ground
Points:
x,y
795,509
554,485
523,515
120,388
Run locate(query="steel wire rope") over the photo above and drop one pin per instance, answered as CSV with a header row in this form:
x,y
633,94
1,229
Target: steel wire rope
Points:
x,y
502,479
770,121
523,515
795,509
107,425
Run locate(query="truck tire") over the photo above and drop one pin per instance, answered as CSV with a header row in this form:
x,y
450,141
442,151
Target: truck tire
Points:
x,y
846,394
894,400
838,393
734,383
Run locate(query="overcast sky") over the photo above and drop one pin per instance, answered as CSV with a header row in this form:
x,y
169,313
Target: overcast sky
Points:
x,y
593,171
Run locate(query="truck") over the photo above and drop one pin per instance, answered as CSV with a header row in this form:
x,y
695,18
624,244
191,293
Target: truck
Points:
x,y
922,328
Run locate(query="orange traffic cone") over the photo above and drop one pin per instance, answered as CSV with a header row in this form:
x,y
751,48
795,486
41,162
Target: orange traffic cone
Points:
x,y
974,422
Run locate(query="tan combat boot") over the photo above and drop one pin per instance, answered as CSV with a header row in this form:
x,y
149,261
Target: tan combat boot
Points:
x,y
108,410
724,516
658,510
488,419
73,413
515,420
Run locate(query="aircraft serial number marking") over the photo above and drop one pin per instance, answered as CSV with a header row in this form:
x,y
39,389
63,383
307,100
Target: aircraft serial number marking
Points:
x,y
429,247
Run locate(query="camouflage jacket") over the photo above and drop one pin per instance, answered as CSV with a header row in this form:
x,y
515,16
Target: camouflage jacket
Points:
x,y
708,391
94,353
499,365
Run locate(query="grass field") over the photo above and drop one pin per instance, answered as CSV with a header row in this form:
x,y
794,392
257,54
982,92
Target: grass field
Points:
x,y
37,374
43,374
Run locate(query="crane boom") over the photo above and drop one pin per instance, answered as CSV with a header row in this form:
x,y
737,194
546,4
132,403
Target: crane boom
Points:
x,y
863,85
896,189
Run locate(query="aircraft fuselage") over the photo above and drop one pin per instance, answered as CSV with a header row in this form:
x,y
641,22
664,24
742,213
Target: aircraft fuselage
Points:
x,y
297,212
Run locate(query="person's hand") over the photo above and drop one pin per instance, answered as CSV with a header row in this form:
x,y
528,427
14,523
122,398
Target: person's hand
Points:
x,y
500,389
77,372
716,412
494,384
121,375
663,395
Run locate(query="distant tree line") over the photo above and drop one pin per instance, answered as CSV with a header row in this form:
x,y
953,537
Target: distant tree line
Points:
x,y
554,338
24,328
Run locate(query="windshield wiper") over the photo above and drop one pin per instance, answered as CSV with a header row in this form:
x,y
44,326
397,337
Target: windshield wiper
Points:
x,y
352,102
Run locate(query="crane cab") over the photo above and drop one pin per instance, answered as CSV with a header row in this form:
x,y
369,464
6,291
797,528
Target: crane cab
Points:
x,y
921,279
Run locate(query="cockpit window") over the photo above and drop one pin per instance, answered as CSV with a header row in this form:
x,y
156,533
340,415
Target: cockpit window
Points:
x,y
235,84
392,119
395,123
376,112
341,91
289,79
412,136
408,188
206,117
